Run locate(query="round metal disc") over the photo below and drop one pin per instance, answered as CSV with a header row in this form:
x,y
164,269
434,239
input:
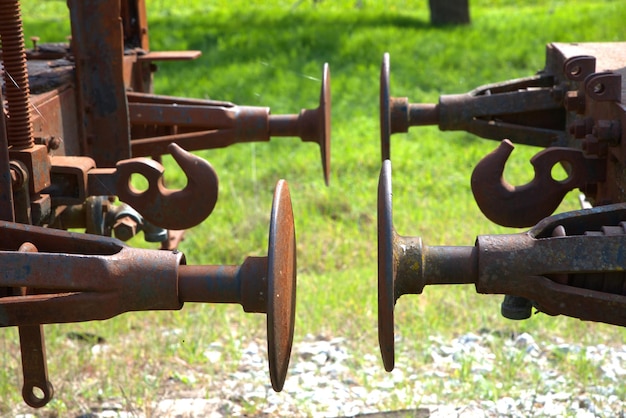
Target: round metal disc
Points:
x,y
281,285
324,107
386,267
385,109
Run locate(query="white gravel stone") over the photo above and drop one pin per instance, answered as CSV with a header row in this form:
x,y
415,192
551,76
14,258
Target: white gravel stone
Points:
x,y
324,382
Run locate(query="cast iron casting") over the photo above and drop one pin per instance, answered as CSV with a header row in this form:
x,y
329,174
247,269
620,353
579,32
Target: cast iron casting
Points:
x,y
572,108
70,163
567,264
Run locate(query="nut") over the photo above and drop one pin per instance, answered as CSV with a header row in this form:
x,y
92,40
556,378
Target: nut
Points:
x,y
125,228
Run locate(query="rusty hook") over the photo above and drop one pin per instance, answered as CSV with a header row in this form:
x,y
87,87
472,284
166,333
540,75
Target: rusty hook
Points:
x,y
170,209
523,206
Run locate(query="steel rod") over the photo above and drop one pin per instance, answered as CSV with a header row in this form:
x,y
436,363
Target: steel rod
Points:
x,y
423,114
212,284
284,125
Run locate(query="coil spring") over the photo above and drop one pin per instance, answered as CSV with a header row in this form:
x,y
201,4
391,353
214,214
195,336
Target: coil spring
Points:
x,y
609,282
19,124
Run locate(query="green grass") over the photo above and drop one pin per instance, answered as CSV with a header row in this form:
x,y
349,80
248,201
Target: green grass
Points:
x,y
271,54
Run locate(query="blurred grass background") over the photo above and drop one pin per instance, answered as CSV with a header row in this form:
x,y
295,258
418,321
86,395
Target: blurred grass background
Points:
x,y
271,54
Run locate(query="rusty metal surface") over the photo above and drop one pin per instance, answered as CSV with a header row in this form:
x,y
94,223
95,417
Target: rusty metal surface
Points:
x,y
523,206
100,79
608,56
128,279
62,287
56,122
319,121
70,165
574,102
169,56
19,125
132,279
281,285
170,209
37,390
260,284
526,110
77,178
569,264
194,124
385,109
406,266
594,119
387,268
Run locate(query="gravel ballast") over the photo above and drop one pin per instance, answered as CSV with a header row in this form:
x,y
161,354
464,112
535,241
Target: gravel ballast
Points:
x,y
326,380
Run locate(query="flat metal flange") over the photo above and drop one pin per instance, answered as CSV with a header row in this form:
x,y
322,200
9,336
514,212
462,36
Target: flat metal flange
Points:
x,y
385,109
281,285
314,124
387,268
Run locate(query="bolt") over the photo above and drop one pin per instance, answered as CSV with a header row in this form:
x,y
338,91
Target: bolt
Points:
x,y
581,127
593,147
608,130
125,228
575,102
35,39
590,145
55,143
